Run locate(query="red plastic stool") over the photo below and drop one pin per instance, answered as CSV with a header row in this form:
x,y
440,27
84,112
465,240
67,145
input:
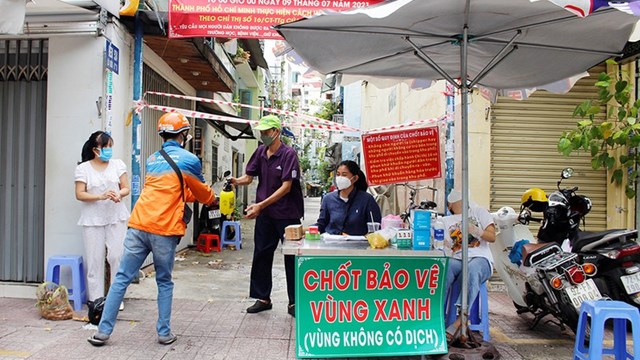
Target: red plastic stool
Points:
x,y
208,243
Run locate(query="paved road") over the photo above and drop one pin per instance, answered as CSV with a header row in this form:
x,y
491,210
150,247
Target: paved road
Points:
x,y
209,317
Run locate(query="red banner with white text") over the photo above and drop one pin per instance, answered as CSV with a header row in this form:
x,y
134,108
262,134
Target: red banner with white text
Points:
x,y
245,18
401,156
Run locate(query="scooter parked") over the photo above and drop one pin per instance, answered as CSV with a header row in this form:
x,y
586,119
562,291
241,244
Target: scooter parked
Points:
x,y
545,280
615,252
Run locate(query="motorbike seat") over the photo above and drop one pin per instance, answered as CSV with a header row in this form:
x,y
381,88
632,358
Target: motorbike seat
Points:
x,y
588,240
532,253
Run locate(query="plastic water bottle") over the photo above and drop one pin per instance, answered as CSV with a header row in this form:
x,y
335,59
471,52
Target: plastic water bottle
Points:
x,y
438,234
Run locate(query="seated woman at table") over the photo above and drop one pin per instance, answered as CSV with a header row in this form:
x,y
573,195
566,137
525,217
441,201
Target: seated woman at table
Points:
x,y
482,231
347,211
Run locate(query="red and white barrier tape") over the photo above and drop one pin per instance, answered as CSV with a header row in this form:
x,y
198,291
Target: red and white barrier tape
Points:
x,y
200,115
333,127
273,110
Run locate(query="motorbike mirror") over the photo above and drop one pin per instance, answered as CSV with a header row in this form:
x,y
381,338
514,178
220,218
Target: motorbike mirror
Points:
x,y
567,173
226,173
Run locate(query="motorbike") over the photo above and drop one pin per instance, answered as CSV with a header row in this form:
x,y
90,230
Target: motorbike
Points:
x,y
211,218
616,253
546,280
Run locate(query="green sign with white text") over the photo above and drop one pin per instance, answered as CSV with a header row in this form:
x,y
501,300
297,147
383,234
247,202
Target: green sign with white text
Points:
x,y
370,306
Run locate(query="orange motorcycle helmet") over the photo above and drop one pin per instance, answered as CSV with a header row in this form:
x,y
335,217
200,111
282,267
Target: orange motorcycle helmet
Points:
x,y
173,123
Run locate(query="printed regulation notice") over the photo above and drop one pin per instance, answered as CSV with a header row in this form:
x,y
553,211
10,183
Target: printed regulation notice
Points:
x,y
400,156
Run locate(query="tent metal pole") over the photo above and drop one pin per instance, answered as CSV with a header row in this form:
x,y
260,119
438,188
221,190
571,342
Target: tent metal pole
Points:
x,y
566,18
503,54
550,47
424,57
465,176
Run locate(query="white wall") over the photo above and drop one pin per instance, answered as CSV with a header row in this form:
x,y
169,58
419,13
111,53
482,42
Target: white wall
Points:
x,y
74,86
76,81
399,104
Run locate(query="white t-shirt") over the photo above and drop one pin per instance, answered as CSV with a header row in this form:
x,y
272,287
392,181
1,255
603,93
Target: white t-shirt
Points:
x,y
453,234
101,212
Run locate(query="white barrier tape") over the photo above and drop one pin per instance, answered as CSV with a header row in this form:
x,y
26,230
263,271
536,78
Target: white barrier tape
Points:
x,y
273,110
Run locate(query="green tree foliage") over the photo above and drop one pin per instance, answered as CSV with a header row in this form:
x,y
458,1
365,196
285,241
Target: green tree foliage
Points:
x,y
619,130
329,108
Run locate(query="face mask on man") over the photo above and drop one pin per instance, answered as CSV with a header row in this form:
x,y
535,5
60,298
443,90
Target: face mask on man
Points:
x,y
186,138
343,182
105,154
267,140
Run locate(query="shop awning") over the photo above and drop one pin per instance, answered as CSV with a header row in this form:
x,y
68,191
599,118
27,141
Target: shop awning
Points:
x,y
192,59
231,130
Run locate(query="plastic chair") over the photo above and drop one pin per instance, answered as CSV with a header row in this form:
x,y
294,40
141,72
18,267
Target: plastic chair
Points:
x,y
208,243
600,311
78,291
237,240
478,312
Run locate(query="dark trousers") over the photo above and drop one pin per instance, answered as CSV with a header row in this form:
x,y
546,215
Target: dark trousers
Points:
x,y
268,233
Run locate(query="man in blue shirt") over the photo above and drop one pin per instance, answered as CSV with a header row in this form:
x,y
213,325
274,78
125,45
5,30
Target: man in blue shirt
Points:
x,y
279,203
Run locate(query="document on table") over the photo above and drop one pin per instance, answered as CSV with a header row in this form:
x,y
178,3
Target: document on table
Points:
x,y
341,238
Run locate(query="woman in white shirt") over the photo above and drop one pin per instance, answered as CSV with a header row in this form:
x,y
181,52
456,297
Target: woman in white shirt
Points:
x,y
101,183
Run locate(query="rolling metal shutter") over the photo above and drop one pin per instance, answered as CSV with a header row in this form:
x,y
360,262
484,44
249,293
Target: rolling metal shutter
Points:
x,y
524,139
23,104
151,141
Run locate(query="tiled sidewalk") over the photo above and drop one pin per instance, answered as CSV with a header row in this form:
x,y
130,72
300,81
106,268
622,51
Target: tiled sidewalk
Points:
x,y
210,330
223,330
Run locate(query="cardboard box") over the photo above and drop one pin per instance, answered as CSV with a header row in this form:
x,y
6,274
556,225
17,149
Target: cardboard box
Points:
x,y
421,239
293,232
421,219
402,239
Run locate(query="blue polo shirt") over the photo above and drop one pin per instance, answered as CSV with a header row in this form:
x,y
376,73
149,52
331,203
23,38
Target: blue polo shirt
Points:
x,y
351,217
282,166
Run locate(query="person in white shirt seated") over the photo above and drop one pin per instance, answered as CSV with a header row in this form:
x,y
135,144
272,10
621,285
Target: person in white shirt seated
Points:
x,y
482,231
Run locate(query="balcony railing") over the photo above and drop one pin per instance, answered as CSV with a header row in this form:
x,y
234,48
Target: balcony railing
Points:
x,y
222,55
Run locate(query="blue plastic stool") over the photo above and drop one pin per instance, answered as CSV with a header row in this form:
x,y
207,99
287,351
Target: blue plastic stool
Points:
x,y
78,291
478,313
237,240
600,311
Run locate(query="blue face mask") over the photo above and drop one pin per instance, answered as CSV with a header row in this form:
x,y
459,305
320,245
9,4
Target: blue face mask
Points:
x,y
105,154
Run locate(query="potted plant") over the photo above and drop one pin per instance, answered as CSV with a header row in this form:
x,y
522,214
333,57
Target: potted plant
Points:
x,y
241,56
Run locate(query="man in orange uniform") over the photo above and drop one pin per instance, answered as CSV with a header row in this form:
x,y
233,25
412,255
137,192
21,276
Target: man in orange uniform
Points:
x,y
156,225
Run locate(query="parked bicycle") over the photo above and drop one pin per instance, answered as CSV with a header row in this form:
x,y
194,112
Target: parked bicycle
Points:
x,y
423,205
